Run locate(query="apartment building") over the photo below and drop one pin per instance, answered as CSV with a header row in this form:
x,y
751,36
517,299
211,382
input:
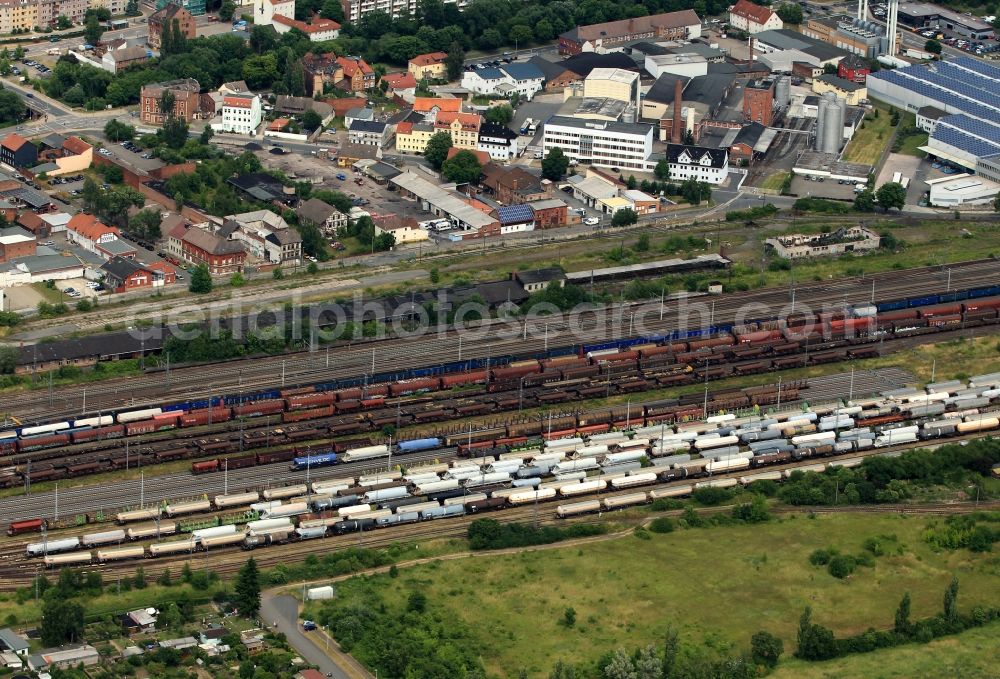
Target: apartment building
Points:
x,y
241,113
186,100
600,143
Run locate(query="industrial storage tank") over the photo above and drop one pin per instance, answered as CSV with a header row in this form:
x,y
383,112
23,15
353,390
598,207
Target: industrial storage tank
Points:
x,y
821,122
833,128
783,90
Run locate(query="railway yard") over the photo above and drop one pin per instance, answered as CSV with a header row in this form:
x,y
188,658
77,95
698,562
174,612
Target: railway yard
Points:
x,y
550,420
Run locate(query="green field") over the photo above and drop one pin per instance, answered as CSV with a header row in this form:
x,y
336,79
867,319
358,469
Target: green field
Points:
x,y
774,181
719,584
972,654
868,142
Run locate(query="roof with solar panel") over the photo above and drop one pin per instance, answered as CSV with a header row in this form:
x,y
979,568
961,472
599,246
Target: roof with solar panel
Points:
x,y
963,85
515,214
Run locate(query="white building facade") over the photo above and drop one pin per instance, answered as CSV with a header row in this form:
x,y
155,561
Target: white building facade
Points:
x,y
241,113
697,162
601,143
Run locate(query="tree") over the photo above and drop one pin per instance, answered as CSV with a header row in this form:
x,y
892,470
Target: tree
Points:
x,y
662,169
815,642
145,224
436,151
462,168
174,132
8,359
12,107
166,103
555,164
790,13
206,135
619,667
62,621
332,9
951,600
501,115
63,22
521,34
92,30
902,625
624,217
201,280
455,61
132,8
891,195
416,602
237,280
569,617
247,595
227,10
765,649
311,120
865,201
140,578
671,648
933,46
119,131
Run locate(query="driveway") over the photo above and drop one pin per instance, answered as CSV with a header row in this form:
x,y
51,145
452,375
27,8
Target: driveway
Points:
x,y
284,610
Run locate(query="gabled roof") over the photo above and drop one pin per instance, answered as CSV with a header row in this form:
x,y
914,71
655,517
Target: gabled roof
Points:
x,y
489,73
481,156
210,243
585,62
89,226
636,26
238,101
718,157
550,69
129,54
13,142
120,268
842,84
488,129
663,89
315,210
373,126
749,134
352,65
469,121
315,25
751,12
523,71
427,104
399,81
428,59
76,146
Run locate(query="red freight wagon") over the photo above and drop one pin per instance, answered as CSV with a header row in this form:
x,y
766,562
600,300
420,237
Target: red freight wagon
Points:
x,y
99,433
26,526
309,401
758,337
308,414
515,372
984,303
259,408
40,442
297,391
202,416
413,386
8,446
722,341
473,377
205,467
941,310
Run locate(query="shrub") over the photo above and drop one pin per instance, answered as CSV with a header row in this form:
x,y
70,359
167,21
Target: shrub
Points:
x,y
842,565
821,557
662,524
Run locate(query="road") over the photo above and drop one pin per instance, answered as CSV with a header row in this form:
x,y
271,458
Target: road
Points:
x,y
282,611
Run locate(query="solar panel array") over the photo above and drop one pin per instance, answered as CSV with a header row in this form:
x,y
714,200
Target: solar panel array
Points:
x,y
917,82
952,136
982,86
515,214
980,128
978,66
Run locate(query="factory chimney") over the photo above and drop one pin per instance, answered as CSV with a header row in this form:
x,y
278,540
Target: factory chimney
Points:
x,y
675,130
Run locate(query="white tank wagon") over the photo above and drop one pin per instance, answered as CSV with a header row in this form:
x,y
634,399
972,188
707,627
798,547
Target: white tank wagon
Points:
x,y
235,500
151,530
582,488
729,464
353,509
284,492
592,451
507,492
625,456
60,560
578,508
833,423
818,439
374,515
52,546
817,468
139,415
333,485
635,480
134,552
761,476
623,501
671,491
717,483
310,532
463,499
973,425
550,459
365,453
265,524
102,421
442,512
462,473
436,486
385,494
109,537
193,507
137,515
727,452
505,467
524,497
620,469
214,531
522,456
435,468
221,541
175,547
564,444
421,479
380,477
569,476
852,462
897,436
581,464
716,442
486,479
613,438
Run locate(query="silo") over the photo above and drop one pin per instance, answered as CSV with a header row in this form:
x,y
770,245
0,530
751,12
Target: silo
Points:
x,y
833,127
821,116
783,91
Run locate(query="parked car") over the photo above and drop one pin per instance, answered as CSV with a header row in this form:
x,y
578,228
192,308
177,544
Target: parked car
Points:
x,y
591,221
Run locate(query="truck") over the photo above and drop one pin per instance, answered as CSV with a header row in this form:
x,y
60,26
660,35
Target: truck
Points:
x,y
529,126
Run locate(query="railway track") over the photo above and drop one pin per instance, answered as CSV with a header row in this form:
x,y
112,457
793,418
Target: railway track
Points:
x,y
356,360
17,571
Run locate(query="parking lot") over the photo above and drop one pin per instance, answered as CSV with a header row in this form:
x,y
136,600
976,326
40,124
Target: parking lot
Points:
x,y
827,188
137,159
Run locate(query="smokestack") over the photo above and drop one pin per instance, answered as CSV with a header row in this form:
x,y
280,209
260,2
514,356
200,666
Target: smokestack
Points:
x,y
675,130
750,64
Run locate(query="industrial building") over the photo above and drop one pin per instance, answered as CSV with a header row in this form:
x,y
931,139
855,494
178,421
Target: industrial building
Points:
x,y
601,143
962,190
923,15
682,25
758,101
857,36
781,48
966,89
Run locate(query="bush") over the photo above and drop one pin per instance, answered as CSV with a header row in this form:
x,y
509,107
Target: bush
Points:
x,y
821,557
821,205
842,565
711,496
491,534
750,214
662,524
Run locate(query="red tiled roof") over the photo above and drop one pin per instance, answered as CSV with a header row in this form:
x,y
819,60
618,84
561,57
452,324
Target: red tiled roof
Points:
x,y
428,59
352,66
481,156
89,227
76,146
345,104
238,102
426,104
278,124
316,25
469,121
404,128
751,11
13,141
399,81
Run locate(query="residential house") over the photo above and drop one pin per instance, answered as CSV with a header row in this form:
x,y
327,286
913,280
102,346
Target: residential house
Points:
x,y
405,230
266,10
139,621
241,114
434,105
17,152
463,128
482,156
234,87
121,275
358,75
752,18
316,29
173,227
344,104
363,113
499,141
220,255
369,133
550,213
525,79
266,236
700,163
64,658
116,61
682,25
320,71
512,185
400,84
89,233
174,15
63,155
186,100
349,153
431,65
328,218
